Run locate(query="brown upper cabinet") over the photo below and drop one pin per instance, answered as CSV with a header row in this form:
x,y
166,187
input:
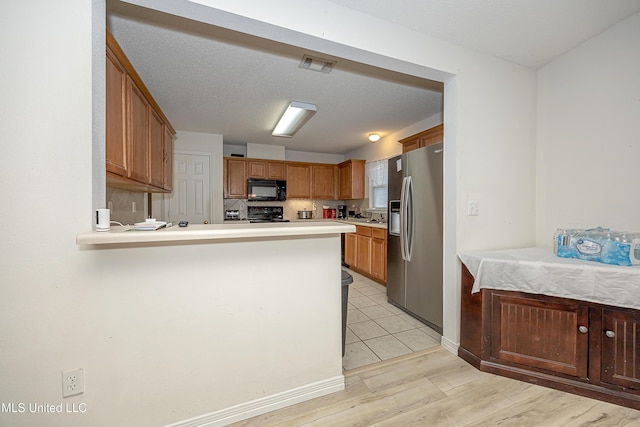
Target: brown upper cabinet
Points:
x,y
235,178
298,181
266,169
323,181
351,180
304,180
423,139
116,149
139,138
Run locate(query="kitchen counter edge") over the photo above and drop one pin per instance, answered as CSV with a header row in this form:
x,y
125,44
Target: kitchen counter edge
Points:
x,y
200,232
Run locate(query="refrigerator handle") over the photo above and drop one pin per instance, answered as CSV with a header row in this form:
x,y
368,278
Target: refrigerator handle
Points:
x,y
403,219
410,219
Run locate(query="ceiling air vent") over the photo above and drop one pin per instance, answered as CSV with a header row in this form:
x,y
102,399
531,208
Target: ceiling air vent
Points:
x,y
317,64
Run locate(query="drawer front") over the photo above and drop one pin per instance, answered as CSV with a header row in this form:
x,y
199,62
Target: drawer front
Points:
x,y
378,233
363,231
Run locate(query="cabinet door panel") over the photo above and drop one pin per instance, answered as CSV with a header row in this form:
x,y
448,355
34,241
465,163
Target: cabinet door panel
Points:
x,y
256,169
621,348
540,334
115,116
235,175
379,258
363,261
323,182
156,149
299,181
277,170
350,249
168,158
138,125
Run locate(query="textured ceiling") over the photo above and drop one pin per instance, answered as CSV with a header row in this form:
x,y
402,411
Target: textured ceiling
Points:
x,y
207,79
212,80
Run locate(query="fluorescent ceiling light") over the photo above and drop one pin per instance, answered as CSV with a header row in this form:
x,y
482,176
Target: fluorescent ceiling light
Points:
x,y
296,115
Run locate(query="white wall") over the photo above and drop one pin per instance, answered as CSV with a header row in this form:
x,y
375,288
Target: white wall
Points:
x,y
264,151
306,156
588,135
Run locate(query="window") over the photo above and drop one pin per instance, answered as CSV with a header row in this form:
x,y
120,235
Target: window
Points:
x,y
377,178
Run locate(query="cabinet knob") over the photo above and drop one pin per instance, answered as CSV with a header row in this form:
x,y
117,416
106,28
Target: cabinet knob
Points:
x,y
610,334
583,329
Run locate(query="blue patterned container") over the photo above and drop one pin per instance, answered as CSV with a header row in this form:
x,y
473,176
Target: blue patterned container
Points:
x,y
598,244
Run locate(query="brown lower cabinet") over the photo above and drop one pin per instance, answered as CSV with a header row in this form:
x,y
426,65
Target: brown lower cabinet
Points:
x,y
575,346
365,251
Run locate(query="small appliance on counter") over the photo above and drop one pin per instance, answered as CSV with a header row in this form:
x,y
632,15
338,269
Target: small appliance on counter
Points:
x,y
232,215
258,214
327,212
305,214
342,211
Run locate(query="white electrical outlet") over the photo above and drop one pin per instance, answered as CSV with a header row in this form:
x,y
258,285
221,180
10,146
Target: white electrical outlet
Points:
x,y
473,208
72,382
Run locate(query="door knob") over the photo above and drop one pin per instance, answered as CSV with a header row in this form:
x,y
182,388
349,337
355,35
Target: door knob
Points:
x,y
610,334
583,329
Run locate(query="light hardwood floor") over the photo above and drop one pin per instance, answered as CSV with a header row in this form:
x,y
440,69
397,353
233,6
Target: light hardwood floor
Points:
x,y
436,388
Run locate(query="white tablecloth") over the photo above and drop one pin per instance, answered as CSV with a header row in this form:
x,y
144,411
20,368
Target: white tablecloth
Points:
x,y
540,271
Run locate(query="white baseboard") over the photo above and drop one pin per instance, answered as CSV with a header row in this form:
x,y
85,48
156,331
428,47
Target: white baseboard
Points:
x,y
451,346
263,405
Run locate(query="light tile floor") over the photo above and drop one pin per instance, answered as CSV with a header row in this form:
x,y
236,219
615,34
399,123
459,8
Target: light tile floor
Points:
x,y
377,330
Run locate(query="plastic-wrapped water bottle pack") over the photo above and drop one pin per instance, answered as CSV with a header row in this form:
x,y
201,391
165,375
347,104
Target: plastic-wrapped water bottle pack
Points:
x,y
598,244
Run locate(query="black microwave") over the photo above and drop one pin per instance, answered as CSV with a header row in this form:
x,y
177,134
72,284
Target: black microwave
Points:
x,y
266,190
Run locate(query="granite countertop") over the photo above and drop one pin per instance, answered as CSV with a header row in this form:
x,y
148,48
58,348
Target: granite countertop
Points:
x,y
226,231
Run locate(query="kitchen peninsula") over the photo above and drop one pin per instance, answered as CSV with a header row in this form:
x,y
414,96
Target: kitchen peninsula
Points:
x,y
253,305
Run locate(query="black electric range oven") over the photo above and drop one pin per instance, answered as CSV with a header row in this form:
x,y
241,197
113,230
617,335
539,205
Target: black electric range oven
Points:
x,y
256,214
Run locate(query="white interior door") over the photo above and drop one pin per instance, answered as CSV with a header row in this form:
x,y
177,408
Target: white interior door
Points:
x,y
191,197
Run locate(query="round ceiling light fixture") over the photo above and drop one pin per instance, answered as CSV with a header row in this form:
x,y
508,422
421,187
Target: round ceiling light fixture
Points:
x,y
374,137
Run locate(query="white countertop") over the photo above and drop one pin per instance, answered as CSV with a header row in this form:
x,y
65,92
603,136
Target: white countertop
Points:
x,y
199,232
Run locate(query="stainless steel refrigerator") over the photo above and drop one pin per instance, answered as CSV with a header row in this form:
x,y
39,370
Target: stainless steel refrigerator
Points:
x,y
414,240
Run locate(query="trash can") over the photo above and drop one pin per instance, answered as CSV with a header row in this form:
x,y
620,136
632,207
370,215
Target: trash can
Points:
x,y
346,281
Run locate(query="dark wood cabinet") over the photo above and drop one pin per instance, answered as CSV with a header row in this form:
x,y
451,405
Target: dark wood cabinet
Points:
x,y
620,358
575,346
540,334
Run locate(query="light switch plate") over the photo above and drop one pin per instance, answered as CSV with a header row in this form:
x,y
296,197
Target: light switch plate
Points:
x,y
473,208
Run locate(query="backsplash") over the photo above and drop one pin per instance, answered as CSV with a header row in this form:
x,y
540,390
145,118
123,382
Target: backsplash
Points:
x,y
120,202
292,206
